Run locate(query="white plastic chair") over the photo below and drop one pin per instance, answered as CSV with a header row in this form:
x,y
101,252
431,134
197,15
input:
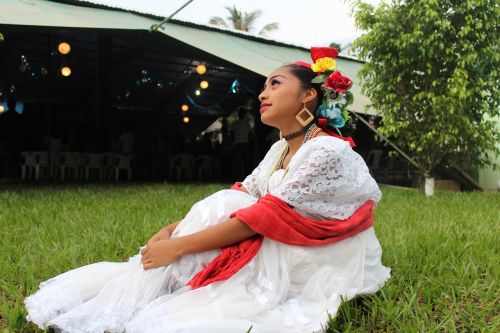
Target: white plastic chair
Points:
x,y
108,165
69,161
42,164
203,164
182,163
123,162
28,166
93,162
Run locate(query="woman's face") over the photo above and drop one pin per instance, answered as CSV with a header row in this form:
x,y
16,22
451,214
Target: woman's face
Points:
x,y
281,99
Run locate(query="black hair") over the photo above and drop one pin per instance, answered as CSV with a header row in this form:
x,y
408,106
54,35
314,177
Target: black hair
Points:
x,y
305,75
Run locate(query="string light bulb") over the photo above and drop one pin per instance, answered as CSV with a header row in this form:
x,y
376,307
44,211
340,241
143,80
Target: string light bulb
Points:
x,y
201,69
184,107
185,119
204,84
66,71
64,48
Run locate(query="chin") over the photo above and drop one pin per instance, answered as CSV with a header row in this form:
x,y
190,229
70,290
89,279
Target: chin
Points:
x,y
264,119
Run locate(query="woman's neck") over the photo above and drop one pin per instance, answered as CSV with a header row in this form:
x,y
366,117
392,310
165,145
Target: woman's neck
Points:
x,y
295,143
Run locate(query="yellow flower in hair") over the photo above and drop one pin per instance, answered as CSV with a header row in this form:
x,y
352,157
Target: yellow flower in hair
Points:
x,y
323,64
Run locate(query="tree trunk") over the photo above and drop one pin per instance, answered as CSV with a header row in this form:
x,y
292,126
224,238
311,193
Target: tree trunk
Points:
x,y
429,186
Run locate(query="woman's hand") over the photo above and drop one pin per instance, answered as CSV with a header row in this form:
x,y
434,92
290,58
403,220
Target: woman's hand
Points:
x,y
160,253
164,234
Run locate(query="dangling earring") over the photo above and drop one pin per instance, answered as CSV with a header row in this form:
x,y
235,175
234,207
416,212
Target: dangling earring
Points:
x,y
281,135
304,117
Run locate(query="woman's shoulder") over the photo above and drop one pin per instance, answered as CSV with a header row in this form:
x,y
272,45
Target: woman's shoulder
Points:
x,y
326,143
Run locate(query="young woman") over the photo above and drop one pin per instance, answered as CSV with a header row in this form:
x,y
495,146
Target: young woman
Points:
x,y
274,253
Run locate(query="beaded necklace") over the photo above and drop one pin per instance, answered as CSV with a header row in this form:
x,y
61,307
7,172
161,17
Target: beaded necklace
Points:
x,y
311,132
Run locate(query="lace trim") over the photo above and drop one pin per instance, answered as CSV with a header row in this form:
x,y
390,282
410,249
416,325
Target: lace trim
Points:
x,y
330,182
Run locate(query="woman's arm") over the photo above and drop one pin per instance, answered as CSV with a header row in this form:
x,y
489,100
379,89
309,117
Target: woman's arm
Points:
x,y
171,227
164,252
163,233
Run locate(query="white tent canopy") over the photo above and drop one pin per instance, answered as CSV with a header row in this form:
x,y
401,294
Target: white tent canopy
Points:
x,y
257,55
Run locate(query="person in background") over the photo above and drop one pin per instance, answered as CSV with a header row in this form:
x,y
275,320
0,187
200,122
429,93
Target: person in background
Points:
x,y
241,145
127,141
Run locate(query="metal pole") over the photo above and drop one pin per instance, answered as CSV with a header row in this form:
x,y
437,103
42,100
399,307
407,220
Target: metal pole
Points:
x,y
155,27
48,114
452,165
415,164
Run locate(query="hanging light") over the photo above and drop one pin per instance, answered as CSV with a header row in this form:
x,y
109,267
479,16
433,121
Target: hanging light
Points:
x,y
2,108
64,48
184,107
204,84
201,69
66,71
185,119
197,92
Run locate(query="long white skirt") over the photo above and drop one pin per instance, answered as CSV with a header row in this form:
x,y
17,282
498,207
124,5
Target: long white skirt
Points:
x,y
284,288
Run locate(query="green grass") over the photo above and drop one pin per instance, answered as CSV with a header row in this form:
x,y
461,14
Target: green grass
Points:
x,y
443,251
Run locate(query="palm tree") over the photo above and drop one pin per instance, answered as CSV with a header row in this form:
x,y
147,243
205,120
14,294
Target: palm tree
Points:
x,y
243,21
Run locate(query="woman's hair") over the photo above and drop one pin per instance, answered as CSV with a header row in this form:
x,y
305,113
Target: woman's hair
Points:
x,y
305,75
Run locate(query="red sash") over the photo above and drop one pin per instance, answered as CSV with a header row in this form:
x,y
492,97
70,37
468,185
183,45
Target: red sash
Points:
x,y
273,218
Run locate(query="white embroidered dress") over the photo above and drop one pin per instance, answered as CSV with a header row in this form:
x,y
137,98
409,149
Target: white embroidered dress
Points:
x,y
284,288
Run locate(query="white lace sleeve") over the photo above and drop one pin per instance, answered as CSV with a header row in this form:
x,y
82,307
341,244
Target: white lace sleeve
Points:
x,y
332,181
250,182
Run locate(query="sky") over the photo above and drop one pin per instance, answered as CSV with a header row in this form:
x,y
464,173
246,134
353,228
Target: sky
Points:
x,y
306,23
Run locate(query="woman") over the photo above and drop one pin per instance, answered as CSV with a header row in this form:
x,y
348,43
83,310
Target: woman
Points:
x,y
274,253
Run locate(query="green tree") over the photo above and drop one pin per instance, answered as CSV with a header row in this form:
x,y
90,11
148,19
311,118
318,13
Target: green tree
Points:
x,y
432,70
243,21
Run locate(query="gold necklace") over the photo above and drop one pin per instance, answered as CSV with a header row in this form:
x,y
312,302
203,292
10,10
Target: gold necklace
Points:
x,y
311,132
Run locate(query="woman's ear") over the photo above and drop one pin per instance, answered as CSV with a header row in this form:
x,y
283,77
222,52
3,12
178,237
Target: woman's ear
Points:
x,y
310,95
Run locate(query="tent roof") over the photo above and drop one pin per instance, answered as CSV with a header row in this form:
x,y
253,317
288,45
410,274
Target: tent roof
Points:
x,y
256,54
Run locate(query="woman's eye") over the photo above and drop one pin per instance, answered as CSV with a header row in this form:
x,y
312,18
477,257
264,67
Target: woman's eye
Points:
x,y
272,84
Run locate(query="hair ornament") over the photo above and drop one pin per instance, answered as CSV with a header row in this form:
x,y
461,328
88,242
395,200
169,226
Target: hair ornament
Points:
x,y
336,95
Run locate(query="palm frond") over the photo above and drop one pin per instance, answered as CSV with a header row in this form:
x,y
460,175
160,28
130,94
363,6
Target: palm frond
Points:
x,y
250,18
268,28
218,21
235,16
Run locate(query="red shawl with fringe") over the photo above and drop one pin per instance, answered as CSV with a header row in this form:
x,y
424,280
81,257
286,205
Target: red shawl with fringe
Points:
x,y
272,217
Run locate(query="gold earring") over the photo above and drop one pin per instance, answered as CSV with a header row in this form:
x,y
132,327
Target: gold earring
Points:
x,y
281,135
304,117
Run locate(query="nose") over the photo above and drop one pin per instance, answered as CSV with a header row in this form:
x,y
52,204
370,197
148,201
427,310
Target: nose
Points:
x,y
263,95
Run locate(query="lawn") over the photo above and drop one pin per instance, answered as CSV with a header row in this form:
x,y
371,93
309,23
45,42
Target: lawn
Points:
x,y
443,251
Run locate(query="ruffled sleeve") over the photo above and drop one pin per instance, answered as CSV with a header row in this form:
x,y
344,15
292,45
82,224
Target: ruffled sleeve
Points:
x,y
256,182
251,183
329,180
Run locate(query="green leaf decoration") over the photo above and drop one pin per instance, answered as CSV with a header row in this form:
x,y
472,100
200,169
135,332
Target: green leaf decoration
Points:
x,y
349,97
319,79
327,73
346,115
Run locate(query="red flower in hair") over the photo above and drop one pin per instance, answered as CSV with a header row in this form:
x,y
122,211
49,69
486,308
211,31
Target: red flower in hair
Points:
x,y
317,53
303,64
337,82
323,52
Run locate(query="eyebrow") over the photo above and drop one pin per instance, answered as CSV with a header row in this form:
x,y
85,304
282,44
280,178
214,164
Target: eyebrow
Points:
x,y
274,77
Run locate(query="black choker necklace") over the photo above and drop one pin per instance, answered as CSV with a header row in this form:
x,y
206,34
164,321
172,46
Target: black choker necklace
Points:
x,y
296,134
